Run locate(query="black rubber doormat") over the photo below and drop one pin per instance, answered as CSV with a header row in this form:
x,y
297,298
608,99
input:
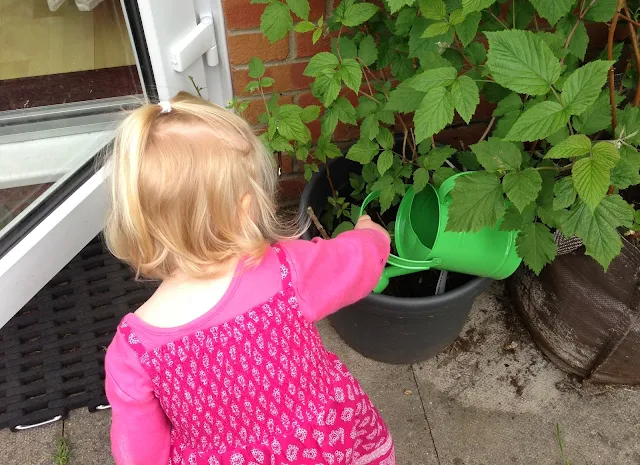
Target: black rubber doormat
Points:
x,y
52,351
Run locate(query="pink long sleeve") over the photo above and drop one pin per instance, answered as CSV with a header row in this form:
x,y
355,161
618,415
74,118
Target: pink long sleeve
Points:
x,y
332,274
139,427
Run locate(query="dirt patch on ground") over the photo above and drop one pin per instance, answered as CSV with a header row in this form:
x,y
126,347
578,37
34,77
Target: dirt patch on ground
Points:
x,y
495,364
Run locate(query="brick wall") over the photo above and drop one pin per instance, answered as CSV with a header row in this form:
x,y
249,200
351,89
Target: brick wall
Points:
x,y
285,61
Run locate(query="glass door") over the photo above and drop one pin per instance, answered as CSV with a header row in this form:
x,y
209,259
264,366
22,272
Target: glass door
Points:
x,y
69,70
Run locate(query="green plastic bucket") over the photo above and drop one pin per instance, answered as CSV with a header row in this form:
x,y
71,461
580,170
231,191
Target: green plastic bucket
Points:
x,y
423,243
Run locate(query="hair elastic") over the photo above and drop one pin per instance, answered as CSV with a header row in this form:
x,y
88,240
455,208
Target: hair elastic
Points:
x,y
165,105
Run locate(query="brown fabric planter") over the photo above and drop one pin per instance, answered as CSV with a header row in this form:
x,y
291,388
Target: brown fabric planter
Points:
x,y
585,320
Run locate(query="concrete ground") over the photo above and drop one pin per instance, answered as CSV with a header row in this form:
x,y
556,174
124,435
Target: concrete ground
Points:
x,y
491,399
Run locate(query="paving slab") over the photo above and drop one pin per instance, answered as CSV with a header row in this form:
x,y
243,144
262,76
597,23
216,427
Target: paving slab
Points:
x,y
393,390
88,437
29,447
494,399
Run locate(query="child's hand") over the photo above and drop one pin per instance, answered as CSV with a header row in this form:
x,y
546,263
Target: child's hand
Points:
x,y
365,222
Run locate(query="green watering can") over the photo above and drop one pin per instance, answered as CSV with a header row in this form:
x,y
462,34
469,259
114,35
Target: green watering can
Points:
x,y
422,242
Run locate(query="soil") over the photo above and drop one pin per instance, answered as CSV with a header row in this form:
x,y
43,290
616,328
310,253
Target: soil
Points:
x,y
423,284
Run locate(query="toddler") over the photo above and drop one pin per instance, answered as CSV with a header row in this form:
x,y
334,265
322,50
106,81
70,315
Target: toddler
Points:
x,y
223,364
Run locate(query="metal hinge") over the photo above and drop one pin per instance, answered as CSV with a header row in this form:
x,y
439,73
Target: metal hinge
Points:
x,y
199,41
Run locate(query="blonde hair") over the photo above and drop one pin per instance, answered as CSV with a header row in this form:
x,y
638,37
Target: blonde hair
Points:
x,y
178,180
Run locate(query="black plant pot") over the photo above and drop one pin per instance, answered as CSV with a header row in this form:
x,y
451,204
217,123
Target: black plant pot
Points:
x,y
393,329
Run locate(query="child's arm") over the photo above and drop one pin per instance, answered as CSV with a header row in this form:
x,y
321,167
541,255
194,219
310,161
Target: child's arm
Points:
x,y
139,426
331,274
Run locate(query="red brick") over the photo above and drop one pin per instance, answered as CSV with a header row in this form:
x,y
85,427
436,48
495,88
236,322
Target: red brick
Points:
x,y
240,14
245,46
287,77
305,99
256,107
306,48
291,187
318,8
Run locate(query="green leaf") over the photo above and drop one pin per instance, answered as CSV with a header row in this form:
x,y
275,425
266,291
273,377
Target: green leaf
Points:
x,y
321,62
428,80
316,35
565,193
540,121
310,113
252,86
276,21
385,160
522,187
267,81
442,174
420,179
363,151
436,29
304,26
602,11
436,157
300,8
521,61
497,155
579,40
456,17
591,176
629,124
404,21
476,5
433,9
524,13
478,202
327,148
385,138
558,136
344,110
396,5
468,160
342,227
555,41
596,117
357,13
351,74
536,246
369,127
573,146
387,195
510,103
466,97
598,229
433,114
552,10
291,127
256,68
327,87
626,172
583,87
368,51
477,54
468,28
513,220
404,98
347,47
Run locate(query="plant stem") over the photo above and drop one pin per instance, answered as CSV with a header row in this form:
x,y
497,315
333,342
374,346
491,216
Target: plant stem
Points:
x,y
486,131
535,22
612,89
628,19
198,89
554,168
555,93
636,54
571,128
316,221
264,100
497,19
569,37
333,189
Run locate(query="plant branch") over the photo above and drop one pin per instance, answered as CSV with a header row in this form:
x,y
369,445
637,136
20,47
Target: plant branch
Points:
x,y
555,168
316,221
264,100
628,19
636,54
612,89
570,36
555,93
486,131
497,19
333,189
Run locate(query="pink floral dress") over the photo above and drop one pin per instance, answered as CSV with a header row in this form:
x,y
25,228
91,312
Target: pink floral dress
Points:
x,y
262,389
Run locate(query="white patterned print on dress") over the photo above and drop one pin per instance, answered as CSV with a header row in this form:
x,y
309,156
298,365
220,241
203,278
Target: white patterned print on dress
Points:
x,y
261,389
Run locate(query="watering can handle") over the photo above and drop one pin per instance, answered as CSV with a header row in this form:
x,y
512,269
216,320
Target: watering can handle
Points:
x,y
370,198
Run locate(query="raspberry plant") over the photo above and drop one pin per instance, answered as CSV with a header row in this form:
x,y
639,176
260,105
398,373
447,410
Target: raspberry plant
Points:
x,y
558,152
